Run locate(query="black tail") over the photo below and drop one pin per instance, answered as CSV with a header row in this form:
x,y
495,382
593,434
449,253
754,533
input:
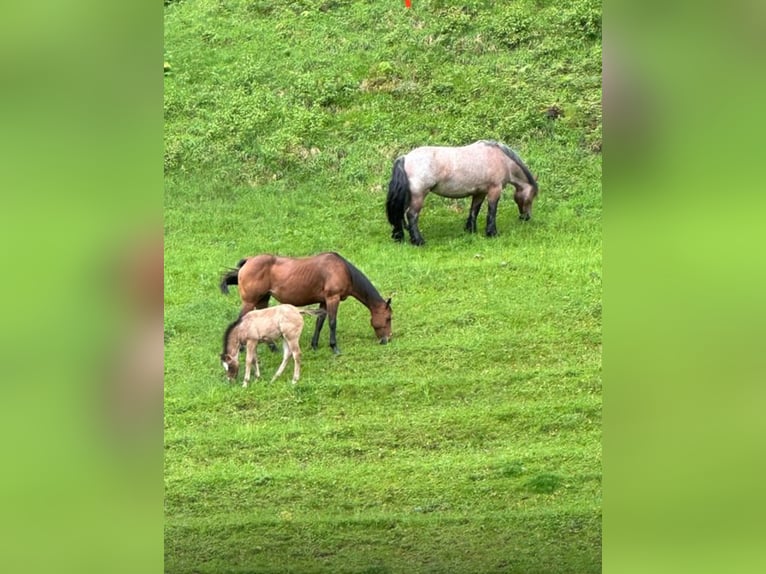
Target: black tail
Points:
x,y
231,277
398,199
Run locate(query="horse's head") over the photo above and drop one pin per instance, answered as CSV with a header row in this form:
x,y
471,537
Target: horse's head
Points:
x,y
230,365
524,198
381,322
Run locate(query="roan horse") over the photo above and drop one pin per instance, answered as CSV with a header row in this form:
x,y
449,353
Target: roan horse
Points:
x,y
480,170
326,279
267,326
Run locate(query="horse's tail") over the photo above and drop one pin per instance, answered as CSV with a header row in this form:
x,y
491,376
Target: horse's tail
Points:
x,y
231,277
398,198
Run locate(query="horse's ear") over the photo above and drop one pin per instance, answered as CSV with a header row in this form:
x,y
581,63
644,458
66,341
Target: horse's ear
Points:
x,y
388,303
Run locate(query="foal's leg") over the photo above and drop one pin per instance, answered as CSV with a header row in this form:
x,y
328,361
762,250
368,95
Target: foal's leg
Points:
x,y
473,213
318,327
262,303
251,358
413,213
296,351
292,341
494,198
285,356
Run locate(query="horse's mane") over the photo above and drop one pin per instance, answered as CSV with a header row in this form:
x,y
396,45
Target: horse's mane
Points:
x,y
228,331
515,157
360,282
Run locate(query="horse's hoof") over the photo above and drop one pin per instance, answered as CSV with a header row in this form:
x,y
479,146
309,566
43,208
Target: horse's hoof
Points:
x,y
418,242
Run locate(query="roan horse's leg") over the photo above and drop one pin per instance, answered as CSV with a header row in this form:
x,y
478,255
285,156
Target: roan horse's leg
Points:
x,y
473,213
413,213
494,198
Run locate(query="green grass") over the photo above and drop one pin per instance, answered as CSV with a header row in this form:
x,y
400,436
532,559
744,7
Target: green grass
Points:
x,y
471,442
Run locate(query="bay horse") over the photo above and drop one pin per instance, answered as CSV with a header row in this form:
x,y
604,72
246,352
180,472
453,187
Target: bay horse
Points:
x,y
481,170
326,279
264,326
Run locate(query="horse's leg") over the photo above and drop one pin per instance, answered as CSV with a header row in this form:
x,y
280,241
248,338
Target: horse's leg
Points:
x,y
295,350
296,362
494,198
413,213
250,357
332,313
318,327
473,213
262,303
246,308
285,357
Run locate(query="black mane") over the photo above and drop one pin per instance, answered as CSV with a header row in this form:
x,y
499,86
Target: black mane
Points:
x,y
228,331
515,157
360,282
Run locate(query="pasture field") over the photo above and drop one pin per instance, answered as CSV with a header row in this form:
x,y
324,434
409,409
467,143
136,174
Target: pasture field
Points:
x,y
472,441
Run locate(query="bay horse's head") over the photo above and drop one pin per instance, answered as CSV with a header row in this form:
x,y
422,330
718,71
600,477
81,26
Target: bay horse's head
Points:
x,y
381,321
230,365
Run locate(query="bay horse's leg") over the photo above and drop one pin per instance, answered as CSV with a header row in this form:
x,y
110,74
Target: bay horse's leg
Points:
x,y
413,213
473,213
246,308
494,198
318,327
332,313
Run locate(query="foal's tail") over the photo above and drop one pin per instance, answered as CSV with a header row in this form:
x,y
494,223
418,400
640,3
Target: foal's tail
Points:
x,y
231,277
398,198
313,312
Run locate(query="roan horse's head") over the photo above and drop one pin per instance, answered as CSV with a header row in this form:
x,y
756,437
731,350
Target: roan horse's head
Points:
x,y
524,197
381,322
230,365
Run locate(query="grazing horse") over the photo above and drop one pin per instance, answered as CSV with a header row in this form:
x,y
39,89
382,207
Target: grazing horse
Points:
x,y
265,325
480,170
326,279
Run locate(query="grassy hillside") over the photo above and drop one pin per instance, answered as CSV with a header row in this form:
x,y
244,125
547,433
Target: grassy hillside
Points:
x,y
471,442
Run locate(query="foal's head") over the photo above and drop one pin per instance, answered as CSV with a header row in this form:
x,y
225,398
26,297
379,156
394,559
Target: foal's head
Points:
x,y
381,322
230,353
230,365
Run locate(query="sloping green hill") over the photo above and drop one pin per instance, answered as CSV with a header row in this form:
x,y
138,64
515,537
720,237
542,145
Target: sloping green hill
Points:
x,y
471,442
